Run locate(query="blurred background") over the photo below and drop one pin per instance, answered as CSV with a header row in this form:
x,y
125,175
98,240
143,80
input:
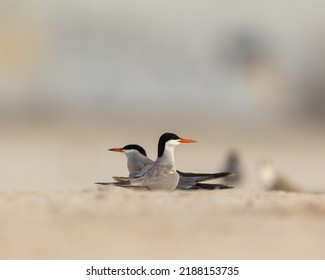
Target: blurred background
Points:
x,y
79,77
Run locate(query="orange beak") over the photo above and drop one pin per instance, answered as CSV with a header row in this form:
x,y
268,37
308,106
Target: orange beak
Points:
x,y
119,150
184,140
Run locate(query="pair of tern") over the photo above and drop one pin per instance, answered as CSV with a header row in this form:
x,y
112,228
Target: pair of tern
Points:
x,y
161,174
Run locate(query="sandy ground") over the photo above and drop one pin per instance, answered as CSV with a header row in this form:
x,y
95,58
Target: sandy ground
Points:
x,y
50,208
123,224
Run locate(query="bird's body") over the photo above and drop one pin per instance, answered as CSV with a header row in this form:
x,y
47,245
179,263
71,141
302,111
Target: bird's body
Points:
x,y
156,177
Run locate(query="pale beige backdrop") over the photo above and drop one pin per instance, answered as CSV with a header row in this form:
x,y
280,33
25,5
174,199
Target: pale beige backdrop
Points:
x,y
79,77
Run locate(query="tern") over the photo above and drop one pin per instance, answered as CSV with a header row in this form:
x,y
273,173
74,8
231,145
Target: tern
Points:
x,y
137,160
233,165
274,181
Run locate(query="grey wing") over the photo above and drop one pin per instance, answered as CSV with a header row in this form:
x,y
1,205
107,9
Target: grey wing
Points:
x,y
204,186
200,177
186,182
137,164
138,178
151,175
189,180
121,179
126,185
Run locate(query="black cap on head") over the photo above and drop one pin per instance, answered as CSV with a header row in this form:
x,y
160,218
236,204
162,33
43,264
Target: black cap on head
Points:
x,y
163,139
135,147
